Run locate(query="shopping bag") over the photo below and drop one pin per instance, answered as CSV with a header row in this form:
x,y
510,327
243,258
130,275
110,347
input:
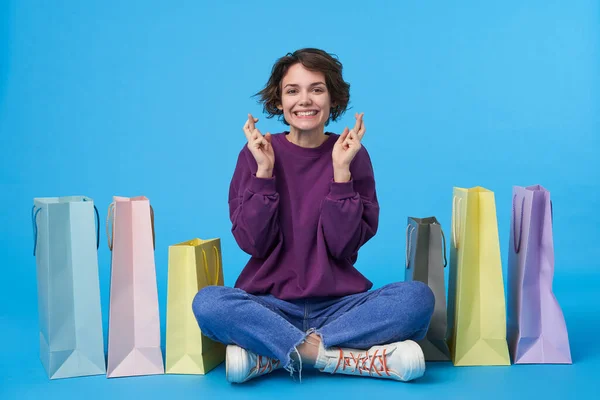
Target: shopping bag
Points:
x,y
425,262
193,265
476,302
536,326
69,311
134,325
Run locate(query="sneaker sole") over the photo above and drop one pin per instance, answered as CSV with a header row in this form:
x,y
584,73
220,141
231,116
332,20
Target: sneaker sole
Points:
x,y
235,361
416,368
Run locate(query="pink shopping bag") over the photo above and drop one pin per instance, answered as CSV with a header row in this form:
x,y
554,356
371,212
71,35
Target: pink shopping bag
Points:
x,y
134,325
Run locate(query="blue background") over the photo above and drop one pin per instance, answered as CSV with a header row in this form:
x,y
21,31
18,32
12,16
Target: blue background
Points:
x,y
103,98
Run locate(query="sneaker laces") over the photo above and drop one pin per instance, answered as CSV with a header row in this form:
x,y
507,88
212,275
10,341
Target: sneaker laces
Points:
x,y
367,363
269,365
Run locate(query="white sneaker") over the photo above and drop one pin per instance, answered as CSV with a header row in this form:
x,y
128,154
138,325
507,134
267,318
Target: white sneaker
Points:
x,y
242,365
402,361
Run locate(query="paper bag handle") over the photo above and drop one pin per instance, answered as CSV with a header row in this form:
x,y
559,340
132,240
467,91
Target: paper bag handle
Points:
x,y
217,260
456,220
517,242
409,231
97,227
34,214
153,230
444,246
110,217
411,228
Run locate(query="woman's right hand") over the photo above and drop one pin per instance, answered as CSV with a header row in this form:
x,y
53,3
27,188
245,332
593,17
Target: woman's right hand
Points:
x,y
260,147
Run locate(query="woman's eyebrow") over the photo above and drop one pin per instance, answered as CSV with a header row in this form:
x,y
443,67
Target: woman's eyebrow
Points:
x,y
312,84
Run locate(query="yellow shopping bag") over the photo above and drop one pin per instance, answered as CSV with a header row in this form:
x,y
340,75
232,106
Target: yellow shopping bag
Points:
x,y
476,303
193,265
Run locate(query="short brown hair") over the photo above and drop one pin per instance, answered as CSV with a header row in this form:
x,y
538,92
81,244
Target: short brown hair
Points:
x,y
314,60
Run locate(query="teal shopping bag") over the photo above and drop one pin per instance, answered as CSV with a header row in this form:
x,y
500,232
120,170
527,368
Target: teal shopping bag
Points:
x,y
70,317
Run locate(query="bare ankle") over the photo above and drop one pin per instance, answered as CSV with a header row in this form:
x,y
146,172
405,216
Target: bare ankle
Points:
x,y
309,349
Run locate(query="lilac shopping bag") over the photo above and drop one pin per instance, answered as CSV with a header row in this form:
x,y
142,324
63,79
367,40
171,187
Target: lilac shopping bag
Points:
x,y
133,325
536,326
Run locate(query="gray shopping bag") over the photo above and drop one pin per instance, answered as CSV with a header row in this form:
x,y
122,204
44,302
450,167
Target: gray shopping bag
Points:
x,y
425,262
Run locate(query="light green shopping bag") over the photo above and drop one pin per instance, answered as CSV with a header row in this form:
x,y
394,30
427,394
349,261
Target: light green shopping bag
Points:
x,y
193,265
477,306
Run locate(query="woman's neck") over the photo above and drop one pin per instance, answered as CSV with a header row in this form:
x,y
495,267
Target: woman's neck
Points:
x,y
309,139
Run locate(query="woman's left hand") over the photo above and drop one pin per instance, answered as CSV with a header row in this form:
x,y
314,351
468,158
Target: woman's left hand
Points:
x,y
345,149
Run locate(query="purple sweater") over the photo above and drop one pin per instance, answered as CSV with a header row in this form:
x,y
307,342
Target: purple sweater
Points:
x,y
302,229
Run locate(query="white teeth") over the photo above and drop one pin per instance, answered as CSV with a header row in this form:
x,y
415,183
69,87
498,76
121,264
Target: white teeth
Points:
x,y
305,113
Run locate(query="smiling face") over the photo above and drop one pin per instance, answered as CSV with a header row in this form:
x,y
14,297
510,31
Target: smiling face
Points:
x,y
305,100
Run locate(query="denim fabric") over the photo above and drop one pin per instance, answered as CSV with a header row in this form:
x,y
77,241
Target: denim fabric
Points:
x,y
272,327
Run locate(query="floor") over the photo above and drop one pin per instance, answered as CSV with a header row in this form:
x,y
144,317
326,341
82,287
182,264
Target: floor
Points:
x,y
24,378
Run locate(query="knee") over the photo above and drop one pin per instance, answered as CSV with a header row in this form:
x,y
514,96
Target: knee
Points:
x,y
417,295
207,303
423,298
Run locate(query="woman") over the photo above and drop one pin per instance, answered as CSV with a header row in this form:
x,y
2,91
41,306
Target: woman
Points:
x,y
302,203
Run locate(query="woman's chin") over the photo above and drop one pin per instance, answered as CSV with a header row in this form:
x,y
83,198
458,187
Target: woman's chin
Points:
x,y
308,126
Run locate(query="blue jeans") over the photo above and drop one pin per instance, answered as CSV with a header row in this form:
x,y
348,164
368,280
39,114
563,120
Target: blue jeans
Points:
x,y
274,328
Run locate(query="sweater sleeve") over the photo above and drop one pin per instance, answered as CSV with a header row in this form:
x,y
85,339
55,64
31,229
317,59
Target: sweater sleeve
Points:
x,y
350,212
253,208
